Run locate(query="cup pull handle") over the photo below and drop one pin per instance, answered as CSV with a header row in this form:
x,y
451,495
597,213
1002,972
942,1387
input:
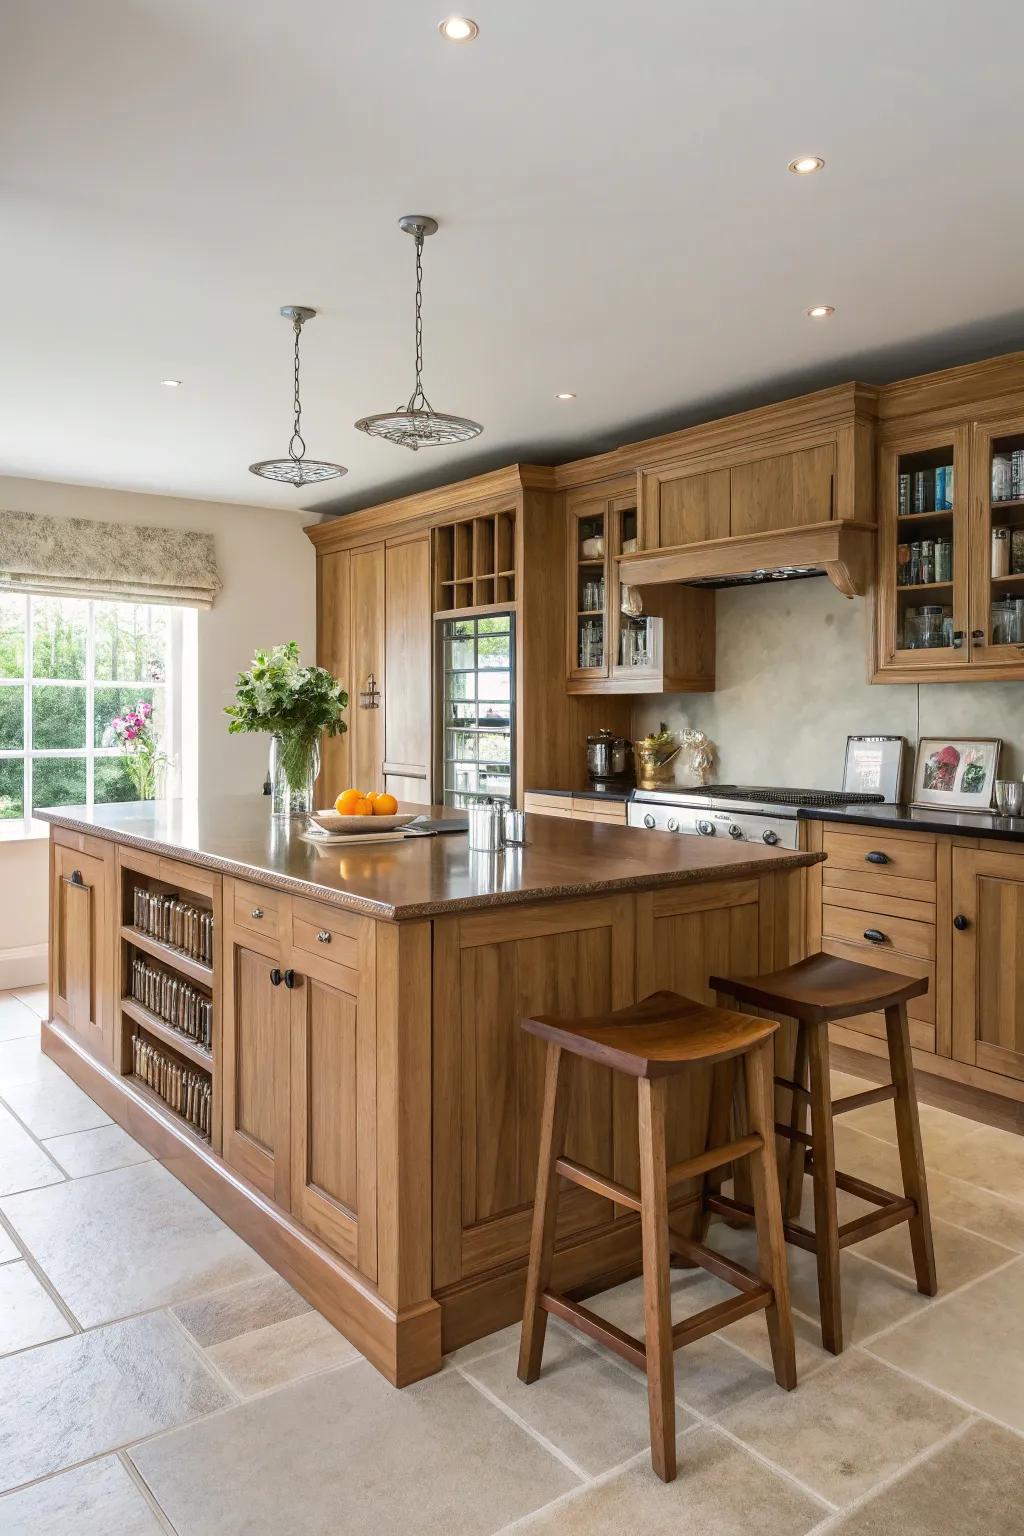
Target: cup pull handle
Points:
x,y
877,858
876,936
76,877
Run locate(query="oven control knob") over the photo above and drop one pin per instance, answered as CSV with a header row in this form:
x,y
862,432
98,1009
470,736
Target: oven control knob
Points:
x,y
706,828
770,837
672,824
734,830
649,821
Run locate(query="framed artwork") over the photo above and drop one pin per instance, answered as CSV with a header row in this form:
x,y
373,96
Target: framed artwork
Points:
x,y
956,774
874,766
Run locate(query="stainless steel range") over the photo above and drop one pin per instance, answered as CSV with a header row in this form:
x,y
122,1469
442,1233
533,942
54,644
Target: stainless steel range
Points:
x,y
734,811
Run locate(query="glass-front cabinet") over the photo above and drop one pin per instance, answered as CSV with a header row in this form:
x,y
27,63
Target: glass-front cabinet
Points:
x,y
950,590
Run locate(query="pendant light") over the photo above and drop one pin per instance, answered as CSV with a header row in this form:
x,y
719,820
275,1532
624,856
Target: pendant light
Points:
x,y
296,469
416,424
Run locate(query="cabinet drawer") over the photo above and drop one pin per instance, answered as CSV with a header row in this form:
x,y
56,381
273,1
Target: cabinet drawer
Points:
x,y
548,805
882,899
599,810
880,888
922,1035
901,858
887,960
257,908
902,934
328,933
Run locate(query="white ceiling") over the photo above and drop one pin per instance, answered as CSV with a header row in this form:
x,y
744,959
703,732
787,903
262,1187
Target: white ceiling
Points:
x,y
616,219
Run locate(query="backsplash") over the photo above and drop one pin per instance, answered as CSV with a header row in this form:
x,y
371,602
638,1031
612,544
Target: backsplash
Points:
x,y
792,685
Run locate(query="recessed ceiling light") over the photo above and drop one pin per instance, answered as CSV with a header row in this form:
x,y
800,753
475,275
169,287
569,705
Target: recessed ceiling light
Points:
x,y
805,165
458,29
171,383
565,395
822,311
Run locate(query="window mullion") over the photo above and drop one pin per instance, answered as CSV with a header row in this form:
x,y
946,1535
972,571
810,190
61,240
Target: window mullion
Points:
x,y
27,709
90,704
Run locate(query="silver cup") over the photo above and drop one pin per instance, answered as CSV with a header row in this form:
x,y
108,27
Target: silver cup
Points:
x,y
486,828
515,827
1009,797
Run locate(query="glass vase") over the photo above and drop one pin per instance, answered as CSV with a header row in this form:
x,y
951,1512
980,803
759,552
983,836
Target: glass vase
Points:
x,y
294,765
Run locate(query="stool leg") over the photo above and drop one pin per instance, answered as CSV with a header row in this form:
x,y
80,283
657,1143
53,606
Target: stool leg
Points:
x,y
797,1159
723,1082
657,1304
759,1069
545,1209
826,1215
908,1136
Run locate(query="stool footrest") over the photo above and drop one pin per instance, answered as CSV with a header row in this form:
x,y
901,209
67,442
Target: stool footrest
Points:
x,y
796,1088
864,1191
720,1315
714,1157
723,1205
790,1133
597,1183
874,1222
715,1263
598,1328
862,1100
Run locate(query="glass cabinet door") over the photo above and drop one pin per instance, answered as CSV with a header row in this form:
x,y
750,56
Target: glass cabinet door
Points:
x,y
588,585
923,554
997,587
635,635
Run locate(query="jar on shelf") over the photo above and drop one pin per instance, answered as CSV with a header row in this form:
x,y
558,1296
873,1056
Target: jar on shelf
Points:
x,y
930,622
1002,477
902,565
1000,551
1004,622
911,629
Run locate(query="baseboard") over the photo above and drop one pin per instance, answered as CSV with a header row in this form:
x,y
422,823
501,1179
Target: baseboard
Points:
x,y
24,967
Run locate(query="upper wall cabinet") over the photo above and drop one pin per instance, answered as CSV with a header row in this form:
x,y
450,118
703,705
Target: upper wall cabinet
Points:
x,y
950,588
617,640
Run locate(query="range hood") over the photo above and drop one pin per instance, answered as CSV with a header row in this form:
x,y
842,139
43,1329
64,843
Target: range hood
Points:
x,y
838,549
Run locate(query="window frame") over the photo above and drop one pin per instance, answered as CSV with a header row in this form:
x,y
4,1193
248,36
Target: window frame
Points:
x,y
90,753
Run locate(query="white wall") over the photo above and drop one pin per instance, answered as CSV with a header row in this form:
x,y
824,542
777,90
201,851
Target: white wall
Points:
x,y
792,685
268,569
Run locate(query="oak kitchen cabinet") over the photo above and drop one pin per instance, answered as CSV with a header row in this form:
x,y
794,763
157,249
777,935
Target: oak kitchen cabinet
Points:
x,y
988,958
82,929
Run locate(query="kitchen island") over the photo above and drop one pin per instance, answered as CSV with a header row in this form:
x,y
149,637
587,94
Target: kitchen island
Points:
x,y
324,1045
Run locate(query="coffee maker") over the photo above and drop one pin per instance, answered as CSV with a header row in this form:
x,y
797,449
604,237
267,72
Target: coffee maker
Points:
x,y
609,761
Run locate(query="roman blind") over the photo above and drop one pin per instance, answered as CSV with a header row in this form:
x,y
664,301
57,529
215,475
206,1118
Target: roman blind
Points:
x,y
76,557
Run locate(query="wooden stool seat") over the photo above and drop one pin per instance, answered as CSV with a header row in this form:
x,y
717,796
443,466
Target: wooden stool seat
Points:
x,y
823,988
651,1041
657,1037
814,992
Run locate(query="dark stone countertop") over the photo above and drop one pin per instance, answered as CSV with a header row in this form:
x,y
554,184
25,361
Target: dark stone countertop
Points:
x,y
915,818
421,877
587,794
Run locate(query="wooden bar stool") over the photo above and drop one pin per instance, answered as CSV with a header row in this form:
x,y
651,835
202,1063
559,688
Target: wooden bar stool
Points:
x,y
652,1041
814,992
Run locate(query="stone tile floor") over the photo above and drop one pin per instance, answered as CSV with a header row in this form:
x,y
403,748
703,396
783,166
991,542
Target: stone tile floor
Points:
x,y
157,1376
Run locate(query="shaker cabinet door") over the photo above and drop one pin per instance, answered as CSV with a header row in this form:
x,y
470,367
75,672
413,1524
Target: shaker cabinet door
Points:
x,y
256,1066
988,960
82,946
407,668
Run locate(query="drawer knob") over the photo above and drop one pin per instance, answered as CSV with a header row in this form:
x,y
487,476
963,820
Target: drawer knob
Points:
x,y
877,858
256,912
323,937
960,922
876,936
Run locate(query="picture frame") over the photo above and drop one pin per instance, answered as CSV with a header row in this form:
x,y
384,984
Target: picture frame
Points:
x,y
874,765
956,773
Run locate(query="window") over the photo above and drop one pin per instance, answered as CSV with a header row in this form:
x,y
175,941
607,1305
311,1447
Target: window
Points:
x,y
477,751
68,666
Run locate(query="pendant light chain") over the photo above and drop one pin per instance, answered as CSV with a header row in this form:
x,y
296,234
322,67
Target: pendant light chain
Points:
x,y
417,394
296,434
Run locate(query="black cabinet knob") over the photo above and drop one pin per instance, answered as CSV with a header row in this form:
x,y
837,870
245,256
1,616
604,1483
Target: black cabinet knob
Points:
x,y
289,978
76,877
877,858
275,977
978,636
960,922
876,936
958,639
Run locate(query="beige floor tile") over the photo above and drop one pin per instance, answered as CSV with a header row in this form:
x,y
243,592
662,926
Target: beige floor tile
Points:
x,y
281,1352
28,1315
91,1392
8,1247
942,1134
17,1021
991,1158
971,1345
843,1083
583,1402
847,1427
977,1210
49,1103
434,1458
491,1343
98,1151
21,1061
240,1309
720,1491
36,998
100,1499
978,1475
23,1163
125,1241
959,1256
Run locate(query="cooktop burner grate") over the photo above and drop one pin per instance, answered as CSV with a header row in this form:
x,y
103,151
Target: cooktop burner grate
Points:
x,y
819,797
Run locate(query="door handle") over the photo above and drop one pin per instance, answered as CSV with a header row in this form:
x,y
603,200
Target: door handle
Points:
x,y
960,922
275,977
958,638
76,877
877,858
978,636
290,979
876,936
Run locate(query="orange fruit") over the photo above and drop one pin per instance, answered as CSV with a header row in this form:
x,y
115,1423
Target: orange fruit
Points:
x,y
362,807
371,796
385,805
347,800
